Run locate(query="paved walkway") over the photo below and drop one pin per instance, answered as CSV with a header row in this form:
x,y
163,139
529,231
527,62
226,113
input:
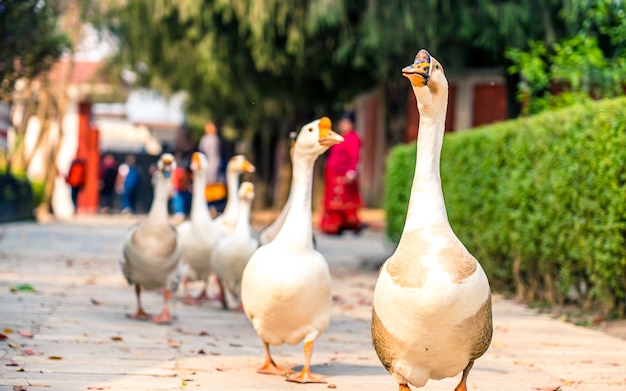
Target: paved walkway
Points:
x,y
82,339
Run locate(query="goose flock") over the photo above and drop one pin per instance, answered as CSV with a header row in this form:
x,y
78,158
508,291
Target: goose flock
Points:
x,y
431,315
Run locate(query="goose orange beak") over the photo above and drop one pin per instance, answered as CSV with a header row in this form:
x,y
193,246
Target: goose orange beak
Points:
x,y
248,167
195,161
327,137
419,72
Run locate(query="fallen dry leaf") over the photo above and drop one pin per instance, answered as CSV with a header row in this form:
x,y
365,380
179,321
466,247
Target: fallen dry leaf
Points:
x,y
201,351
12,363
221,369
3,337
29,352
98,387
216,353
331,386
25,333
96,302
203,333
55,358
15,345
20,388
117,339
173,343
557,388
8,331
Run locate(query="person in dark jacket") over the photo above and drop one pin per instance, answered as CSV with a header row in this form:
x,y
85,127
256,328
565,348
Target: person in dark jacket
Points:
x,y
108,175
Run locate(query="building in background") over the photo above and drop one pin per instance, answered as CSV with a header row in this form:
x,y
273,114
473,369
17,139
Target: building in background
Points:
x,y
476,97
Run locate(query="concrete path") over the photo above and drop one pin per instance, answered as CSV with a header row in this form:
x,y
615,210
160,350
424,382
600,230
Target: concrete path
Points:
x,y
81,338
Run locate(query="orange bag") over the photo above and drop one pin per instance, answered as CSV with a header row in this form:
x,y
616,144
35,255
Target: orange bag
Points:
x,y
215,192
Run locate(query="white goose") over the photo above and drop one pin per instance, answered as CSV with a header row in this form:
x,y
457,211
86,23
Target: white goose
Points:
x,y
237,165
151,251
285,289
233,251
432,301
198,235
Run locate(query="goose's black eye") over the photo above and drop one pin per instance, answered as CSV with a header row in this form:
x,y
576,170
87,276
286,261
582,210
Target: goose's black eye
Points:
x,y
436,66
310,129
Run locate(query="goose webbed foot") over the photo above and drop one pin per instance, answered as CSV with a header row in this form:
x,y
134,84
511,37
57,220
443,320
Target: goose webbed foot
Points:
x,y
139,315
270,367
305,376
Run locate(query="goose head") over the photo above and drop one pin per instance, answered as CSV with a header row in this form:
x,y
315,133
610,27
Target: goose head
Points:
x,y
429,83
166,165
239,164
246,191
199,162
316,137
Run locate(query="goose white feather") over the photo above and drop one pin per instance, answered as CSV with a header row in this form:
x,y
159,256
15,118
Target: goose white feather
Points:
x,y
231,255
286,284
151,251
200,234
432,302
237,165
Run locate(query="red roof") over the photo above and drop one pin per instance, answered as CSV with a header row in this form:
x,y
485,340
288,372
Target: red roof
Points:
x,y
82,72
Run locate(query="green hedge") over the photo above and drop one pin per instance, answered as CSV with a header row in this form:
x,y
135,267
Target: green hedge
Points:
x,y
540,201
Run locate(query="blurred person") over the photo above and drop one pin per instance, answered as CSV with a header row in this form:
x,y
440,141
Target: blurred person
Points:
x,y
214,148
181,184
76,179
108,176
127,184
184,147
341,192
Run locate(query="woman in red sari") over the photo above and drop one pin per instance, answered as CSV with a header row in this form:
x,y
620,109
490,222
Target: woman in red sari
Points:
x,y
341,193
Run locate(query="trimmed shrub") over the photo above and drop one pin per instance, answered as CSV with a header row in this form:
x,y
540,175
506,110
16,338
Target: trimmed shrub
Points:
x,y
17,200
540,202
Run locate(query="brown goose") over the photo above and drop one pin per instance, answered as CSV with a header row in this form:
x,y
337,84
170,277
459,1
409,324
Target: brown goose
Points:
x,y
151,251
432,303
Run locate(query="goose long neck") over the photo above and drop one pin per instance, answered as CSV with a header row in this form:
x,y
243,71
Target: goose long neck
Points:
x,y
158,210
426,205
232,184
243,216
297,230
198,199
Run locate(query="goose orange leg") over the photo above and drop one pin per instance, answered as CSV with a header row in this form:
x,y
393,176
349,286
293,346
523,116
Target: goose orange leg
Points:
x,y
463,384
187,299
164,317
270,367
306,376
204,296
140,314
404,387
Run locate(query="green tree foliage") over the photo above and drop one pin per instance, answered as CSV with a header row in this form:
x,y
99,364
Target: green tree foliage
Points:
x,y
590,62
249,61
464,32
540,201
30,40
